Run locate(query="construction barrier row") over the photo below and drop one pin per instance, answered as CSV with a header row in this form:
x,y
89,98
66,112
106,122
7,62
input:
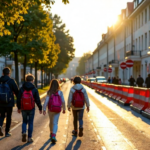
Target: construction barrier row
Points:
x,y
138,98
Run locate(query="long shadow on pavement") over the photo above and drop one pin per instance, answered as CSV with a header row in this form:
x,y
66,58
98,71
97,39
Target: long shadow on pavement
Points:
x,y
77,146
46,144
69,147
19,147
2,138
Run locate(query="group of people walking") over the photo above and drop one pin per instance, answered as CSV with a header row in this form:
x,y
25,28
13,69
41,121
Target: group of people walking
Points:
x,y
132,82
140,81
28,95
114,80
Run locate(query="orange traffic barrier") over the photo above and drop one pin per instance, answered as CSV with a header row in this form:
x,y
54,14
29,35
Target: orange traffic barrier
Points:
x,y
111,91
127,95
115,94
108,89
120,92
146,112
140,100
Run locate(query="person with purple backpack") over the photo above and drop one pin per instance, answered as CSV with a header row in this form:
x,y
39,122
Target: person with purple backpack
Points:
x,y
55,102
77,99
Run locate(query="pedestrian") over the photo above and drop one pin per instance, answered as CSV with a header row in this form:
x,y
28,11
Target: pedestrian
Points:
x,y
109,80
140,81
27,97
77,99
114,80
55,101
119,81
132,81
8,86
147,81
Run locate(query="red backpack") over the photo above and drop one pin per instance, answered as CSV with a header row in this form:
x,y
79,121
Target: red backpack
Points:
x,y
27,100
55,103
78,99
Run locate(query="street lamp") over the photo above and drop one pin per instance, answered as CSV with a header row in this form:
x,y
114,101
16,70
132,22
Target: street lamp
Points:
x,y
148,51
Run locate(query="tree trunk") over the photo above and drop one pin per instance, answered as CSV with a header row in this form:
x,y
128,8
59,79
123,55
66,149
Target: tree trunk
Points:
x,y
36,63
56,76
25,65
42,77
16,67
31,69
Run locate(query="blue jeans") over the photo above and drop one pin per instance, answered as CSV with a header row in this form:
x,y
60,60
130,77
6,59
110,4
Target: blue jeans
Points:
x,y
28,118
78,115
53,124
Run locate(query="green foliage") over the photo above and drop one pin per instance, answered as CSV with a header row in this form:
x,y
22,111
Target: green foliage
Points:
x,y
65,42
81,67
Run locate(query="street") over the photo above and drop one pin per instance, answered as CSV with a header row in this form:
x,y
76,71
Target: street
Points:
x,y
108,126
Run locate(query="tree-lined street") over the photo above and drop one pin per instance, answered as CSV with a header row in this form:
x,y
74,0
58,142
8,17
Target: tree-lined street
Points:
x,y
108,125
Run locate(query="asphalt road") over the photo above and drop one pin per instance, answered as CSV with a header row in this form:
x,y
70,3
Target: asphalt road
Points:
x,y
108,125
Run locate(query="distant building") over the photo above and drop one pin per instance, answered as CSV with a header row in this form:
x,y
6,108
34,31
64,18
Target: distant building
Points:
x,y
71,70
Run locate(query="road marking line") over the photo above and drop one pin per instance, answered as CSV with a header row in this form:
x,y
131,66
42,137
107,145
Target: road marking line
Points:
x,y
103,148
95,130
30,149
98,137
36,140
16,126
46,125
41,131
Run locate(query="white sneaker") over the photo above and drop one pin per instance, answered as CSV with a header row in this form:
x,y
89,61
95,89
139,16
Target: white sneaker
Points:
x,y
1,133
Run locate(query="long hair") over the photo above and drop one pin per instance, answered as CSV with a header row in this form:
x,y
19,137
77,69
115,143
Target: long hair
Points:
x,y
54,87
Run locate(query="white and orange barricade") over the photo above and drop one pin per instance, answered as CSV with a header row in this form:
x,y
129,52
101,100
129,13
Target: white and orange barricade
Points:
x,y
104,88
111,90
140,100
127,95
120,92
115,94
146,112
108,89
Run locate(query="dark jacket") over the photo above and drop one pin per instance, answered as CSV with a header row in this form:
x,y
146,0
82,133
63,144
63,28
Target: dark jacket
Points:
x,y
140,81
29,86
13,87
147,82
115,81
131,80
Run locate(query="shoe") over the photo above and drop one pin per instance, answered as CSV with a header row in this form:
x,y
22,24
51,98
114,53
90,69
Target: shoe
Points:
x,y
53,139
74,132
24,137
1,133
80,132
30,140
8,134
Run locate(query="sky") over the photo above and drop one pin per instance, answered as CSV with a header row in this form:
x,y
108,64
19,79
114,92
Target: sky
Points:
x,y
87,20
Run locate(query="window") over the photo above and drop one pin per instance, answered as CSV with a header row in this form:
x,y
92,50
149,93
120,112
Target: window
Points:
x,y
139,43
149,39
142,43
145,40
142,19
149,12
145,15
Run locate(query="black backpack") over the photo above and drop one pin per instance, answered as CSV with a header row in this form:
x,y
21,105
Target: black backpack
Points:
x,y
5,93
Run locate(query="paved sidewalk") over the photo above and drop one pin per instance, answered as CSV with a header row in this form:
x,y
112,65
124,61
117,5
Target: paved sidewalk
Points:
x,y
89,141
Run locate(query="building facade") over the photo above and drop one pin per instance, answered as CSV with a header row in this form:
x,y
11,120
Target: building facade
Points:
x,y
128,39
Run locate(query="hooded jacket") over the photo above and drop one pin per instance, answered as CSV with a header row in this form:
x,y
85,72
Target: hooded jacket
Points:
x,y
29,86
78,87
13,87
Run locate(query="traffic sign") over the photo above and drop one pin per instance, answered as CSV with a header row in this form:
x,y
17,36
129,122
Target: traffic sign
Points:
x,y
109,70
123,65
105,69
129,63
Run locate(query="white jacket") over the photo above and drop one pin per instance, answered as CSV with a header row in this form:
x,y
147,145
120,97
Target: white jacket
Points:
x,y
62,99
78,87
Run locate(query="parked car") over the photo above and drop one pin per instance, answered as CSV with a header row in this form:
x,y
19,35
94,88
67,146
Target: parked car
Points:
x,y
91,79
100,79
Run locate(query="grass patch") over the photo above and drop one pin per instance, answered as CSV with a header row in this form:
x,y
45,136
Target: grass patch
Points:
x,y
45,89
